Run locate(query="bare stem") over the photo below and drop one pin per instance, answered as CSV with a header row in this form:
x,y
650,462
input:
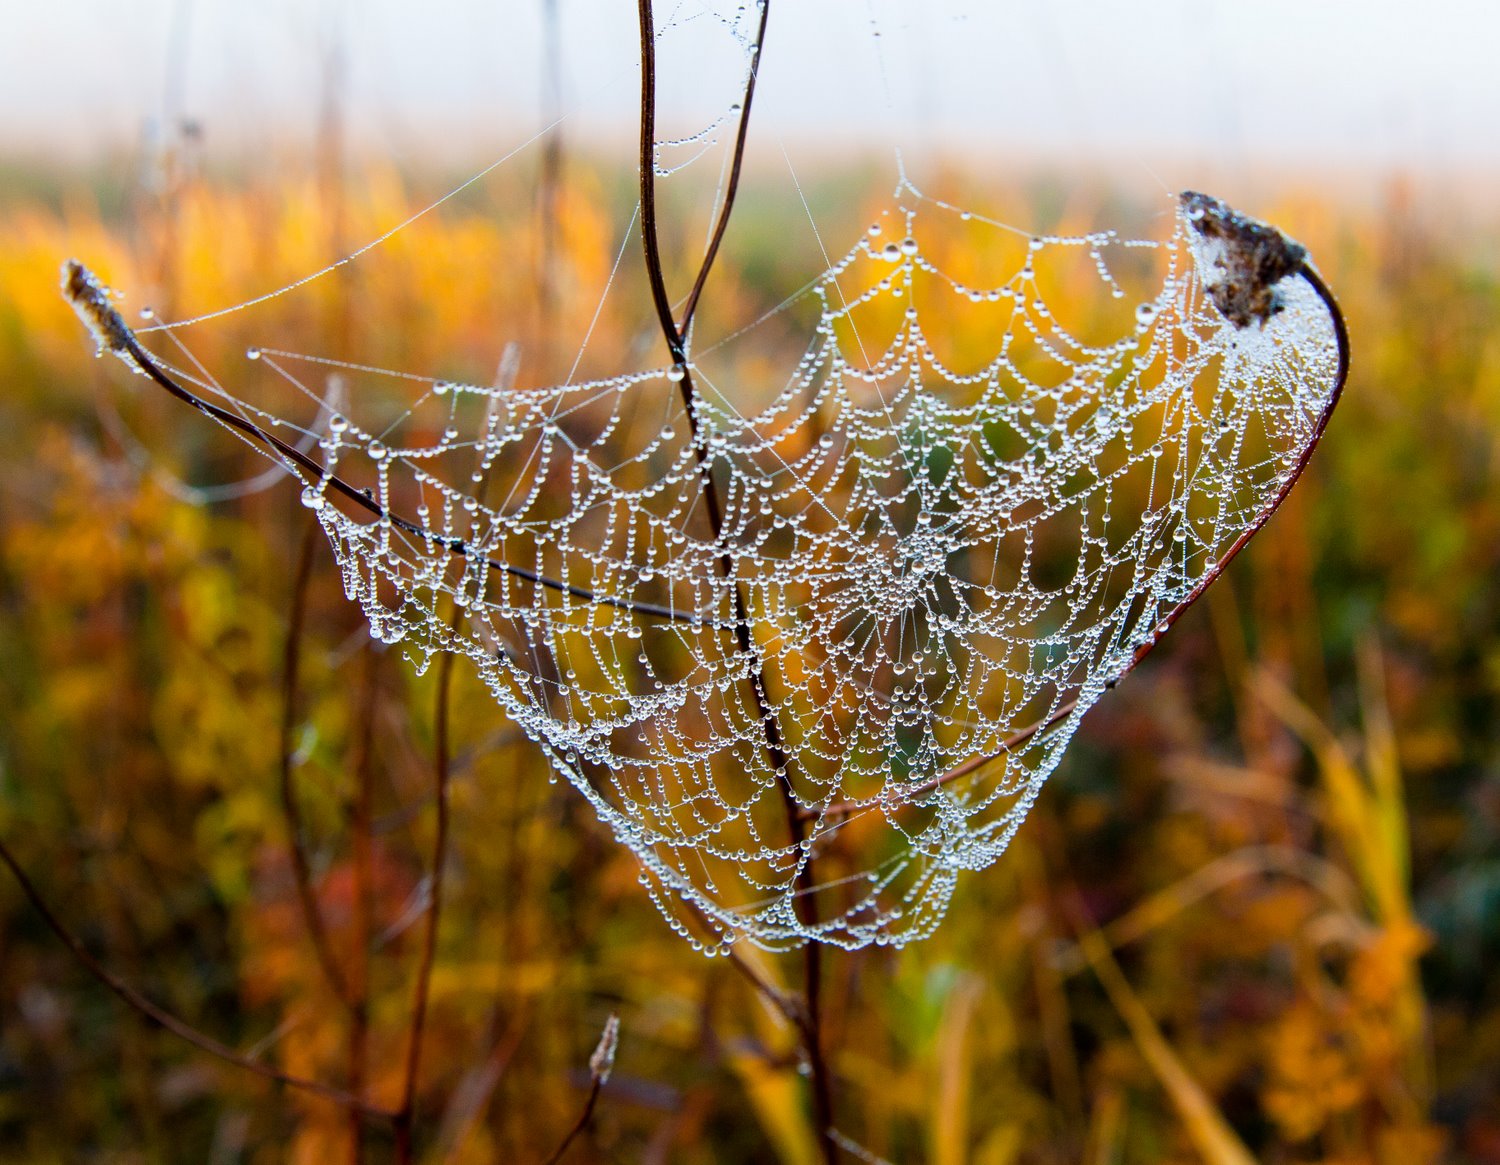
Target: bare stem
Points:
x,y
442,768
139,1003
291,809
362,830
91,302
1290,479
675,335
601,1064
582,1123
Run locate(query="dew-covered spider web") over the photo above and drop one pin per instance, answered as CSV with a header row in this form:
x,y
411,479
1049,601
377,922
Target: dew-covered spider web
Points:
x,y
809,644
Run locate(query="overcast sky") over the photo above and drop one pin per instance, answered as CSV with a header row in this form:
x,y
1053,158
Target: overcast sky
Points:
x,y
1370,82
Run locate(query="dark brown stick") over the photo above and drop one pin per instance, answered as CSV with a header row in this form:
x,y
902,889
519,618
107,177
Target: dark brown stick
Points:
x,y
139,1003
675,334
90,300
601,1064
582,1123
291,809
442,767
1341,377
362,834
742,134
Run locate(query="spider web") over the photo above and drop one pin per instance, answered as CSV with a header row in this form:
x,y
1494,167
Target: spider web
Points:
x,y
810,647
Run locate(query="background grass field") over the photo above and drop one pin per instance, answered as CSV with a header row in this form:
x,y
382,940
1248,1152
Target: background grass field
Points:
x,y
1256,915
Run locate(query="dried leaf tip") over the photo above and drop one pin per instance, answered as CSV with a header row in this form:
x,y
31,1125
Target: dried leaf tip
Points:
x,y
602,1062
91,300
1240,259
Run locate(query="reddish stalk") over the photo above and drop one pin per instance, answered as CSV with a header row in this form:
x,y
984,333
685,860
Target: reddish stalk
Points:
x,y
601,1064
312,914
166,1020
1341,377
442,767
91,301
675,334
581,1123
362,833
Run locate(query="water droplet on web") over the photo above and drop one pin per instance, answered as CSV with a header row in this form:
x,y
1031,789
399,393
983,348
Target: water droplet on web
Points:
x,y
252,353
376,450
676,373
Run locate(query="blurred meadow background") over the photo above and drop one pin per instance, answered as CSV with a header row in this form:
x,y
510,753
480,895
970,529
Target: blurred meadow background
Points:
x,y
1254,917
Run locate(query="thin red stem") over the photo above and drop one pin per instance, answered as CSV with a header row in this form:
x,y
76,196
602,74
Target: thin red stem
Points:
x,y
1341,377
442,767
675,334
164,1019
291,809
91,302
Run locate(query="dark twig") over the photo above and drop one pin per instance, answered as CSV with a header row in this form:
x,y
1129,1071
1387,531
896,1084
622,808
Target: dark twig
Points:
x,y
139,1003
1341,377
291,809
731,189
361,828
675,335
91,301
584,1117
406,1113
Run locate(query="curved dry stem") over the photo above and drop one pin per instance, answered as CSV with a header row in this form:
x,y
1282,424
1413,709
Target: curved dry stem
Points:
x,y
165,1019
674,333
1341,377
291,809
442,770
91,302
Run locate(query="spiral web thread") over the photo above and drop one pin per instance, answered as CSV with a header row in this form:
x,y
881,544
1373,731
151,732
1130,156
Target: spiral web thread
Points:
x,y
944,555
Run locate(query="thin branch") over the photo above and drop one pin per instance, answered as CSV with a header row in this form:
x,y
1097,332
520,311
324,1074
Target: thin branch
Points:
x,y
674,334
139,1003
406,1113
362,818
1341,377
291,809
582,1123
91,302
690,307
